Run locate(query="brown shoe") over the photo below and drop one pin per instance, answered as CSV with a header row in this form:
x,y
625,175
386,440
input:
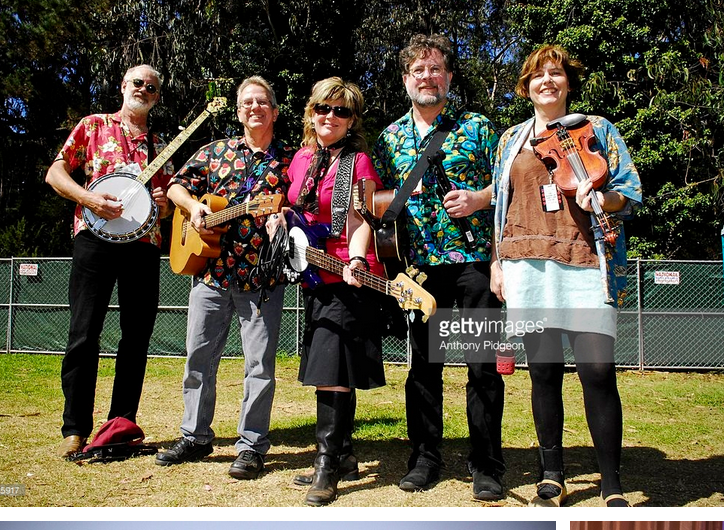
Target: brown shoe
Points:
x,y
71,444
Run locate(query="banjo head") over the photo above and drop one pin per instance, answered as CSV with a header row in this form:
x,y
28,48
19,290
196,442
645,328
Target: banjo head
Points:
x,y
140,211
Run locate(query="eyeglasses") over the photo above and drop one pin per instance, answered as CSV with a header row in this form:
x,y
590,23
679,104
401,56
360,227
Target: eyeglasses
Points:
x,y
138,83
341,112
434,71
249,103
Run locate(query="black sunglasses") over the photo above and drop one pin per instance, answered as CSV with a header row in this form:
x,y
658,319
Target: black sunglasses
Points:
x,y
138,83
341,112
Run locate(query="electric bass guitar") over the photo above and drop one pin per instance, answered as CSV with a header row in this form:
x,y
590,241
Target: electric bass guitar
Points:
x,y
140,211
190,250
305,254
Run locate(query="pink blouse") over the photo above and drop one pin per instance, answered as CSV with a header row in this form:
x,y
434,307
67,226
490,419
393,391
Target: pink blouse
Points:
x,y
335,246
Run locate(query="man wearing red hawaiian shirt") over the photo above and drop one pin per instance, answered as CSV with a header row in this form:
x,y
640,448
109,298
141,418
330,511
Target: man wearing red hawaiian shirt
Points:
x,y
102,144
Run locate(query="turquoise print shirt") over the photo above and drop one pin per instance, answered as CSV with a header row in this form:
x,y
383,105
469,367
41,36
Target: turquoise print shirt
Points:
x,y
469,150
622,178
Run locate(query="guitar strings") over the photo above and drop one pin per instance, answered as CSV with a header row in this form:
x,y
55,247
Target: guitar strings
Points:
x,y
335,265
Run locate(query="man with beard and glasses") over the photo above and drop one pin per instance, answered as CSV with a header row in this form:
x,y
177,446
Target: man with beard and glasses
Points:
x,y
102,144
457,268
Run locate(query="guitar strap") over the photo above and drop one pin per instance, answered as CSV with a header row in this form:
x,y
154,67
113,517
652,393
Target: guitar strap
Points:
x,y
342,191
244,189
398,203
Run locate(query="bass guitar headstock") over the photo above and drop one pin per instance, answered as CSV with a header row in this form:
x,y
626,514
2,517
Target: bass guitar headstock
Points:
x,y
410,295
216,105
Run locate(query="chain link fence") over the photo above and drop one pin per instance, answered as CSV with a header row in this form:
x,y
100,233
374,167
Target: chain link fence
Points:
x,y
34,313
672,318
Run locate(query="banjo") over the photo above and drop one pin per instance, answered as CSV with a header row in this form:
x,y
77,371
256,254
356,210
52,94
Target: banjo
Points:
x,y
140,211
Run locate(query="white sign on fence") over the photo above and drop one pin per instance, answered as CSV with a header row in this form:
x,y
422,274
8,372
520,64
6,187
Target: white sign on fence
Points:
x,y
28,269
666,277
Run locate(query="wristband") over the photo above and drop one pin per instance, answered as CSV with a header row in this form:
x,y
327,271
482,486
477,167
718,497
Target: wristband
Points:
x,y
361,259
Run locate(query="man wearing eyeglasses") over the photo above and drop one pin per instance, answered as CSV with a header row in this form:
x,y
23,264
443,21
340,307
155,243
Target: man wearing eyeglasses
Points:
x,y
457,268
233,285
99,145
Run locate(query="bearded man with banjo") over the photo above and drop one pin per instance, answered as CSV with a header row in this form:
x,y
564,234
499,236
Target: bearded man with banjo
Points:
x,y
114,147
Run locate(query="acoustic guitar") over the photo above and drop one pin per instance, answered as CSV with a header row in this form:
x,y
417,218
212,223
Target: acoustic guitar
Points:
x,y
391,242
190,250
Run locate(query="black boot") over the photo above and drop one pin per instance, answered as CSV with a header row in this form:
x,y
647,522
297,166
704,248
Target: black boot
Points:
x,y
332,421
348,465
551,488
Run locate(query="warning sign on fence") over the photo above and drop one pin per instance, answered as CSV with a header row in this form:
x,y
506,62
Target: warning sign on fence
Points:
x,y
666,277
28,269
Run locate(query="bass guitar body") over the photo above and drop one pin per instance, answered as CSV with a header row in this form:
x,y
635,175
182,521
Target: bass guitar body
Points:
x,y
303,235
305,254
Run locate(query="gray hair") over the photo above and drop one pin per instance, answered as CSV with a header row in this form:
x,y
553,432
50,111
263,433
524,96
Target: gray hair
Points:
x,y
156,73
260,81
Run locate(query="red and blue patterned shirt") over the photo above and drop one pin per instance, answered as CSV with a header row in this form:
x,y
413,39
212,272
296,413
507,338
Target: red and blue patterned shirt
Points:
x,y
230,169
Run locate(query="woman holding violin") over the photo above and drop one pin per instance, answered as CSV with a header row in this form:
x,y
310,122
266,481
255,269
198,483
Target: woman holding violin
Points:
x,y
561,185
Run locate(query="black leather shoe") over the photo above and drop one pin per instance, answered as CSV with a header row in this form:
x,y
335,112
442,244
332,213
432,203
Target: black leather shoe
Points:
x,y
420,478
184,450
247,465
487,487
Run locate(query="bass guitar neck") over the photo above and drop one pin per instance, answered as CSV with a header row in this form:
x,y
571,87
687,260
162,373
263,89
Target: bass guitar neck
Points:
x,y
306,248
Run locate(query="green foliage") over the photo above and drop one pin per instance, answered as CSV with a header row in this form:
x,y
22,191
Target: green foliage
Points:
x,y
654,68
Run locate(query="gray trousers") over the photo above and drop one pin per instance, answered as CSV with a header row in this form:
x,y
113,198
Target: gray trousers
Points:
x,y
209,319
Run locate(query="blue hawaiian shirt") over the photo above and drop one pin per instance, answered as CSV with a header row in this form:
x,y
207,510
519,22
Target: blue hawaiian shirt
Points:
x,y
469,149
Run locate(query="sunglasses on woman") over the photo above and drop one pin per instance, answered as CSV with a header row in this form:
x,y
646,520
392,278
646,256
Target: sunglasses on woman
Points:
x,y
138,83
341,112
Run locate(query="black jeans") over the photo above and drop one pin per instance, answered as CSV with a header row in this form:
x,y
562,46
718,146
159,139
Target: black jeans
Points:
x,y
97,266
468,285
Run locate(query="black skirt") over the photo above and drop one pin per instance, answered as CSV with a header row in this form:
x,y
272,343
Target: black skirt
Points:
x,y
342,344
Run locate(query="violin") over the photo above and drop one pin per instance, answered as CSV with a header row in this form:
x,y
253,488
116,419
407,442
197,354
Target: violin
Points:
x,y
567,153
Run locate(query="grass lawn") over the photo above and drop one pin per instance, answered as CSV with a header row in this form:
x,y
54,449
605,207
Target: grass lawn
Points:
x,y
673,451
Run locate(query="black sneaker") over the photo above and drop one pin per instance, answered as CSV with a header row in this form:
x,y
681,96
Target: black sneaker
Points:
x,y
184,450
420,478
247,465
487,487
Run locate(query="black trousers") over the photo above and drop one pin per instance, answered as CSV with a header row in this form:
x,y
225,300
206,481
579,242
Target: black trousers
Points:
x,y
97,266
468,285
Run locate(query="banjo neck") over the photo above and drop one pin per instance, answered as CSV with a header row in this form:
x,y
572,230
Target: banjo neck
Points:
x,y
213,107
